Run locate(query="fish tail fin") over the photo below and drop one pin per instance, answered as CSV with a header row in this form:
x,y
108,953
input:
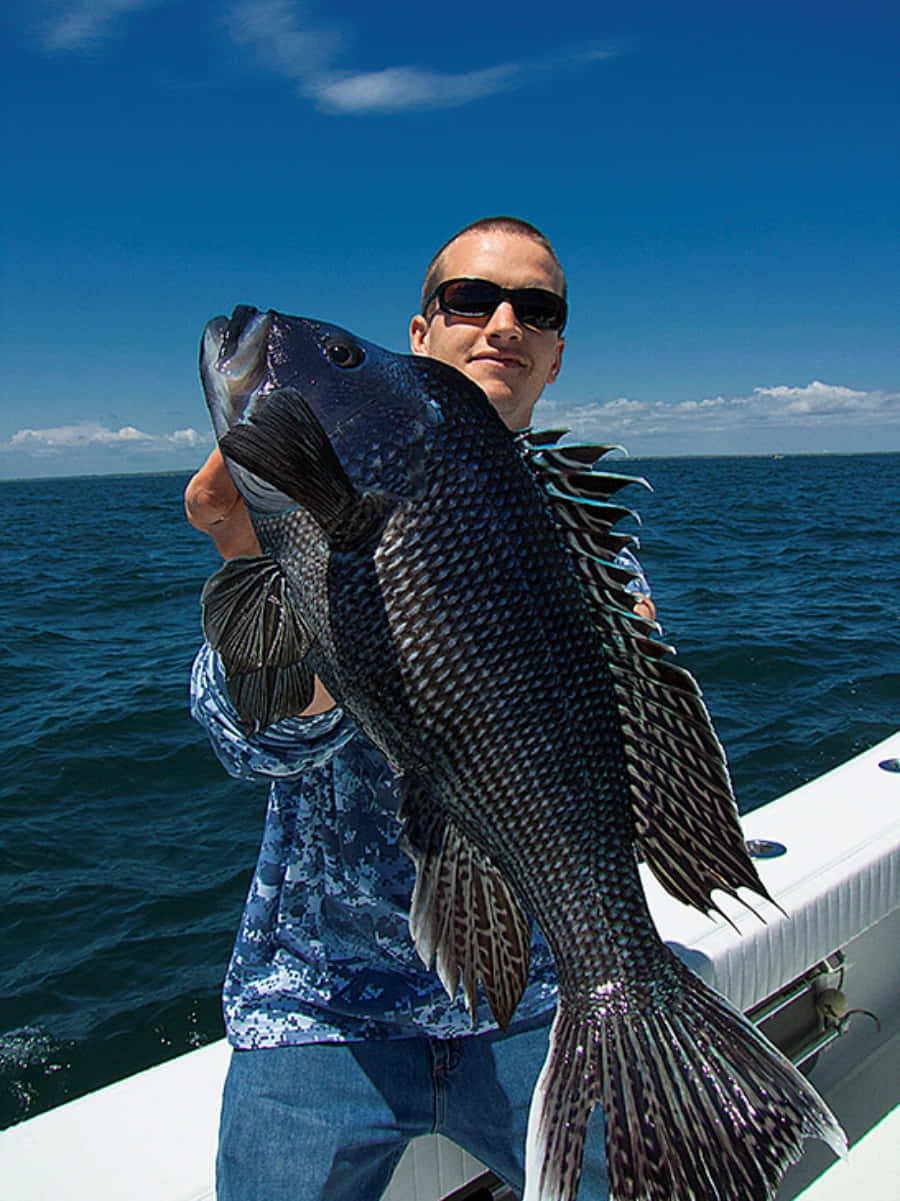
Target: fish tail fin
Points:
x,y
698,1104
564,1097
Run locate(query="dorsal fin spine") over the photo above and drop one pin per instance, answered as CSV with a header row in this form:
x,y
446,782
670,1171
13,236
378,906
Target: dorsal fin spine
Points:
x,y
684,809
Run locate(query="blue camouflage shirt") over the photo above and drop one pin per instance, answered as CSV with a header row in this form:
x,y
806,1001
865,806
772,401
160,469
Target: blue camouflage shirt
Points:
x,y
323,952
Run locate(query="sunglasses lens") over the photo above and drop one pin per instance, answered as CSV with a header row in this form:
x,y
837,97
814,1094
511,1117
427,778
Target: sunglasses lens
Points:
x,y
539,309
470,297
534,307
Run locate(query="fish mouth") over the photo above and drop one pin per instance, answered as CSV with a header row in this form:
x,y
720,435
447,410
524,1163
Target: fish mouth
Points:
x,y
234,368
234,363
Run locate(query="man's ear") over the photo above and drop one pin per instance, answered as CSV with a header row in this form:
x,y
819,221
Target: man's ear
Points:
x,y
557,362
418,328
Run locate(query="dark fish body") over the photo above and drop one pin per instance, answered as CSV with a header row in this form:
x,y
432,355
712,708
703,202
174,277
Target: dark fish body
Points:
x,y
453,586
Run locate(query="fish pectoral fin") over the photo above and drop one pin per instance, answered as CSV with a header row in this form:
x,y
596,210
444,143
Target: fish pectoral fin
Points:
x,y
463,916
250,618
282,441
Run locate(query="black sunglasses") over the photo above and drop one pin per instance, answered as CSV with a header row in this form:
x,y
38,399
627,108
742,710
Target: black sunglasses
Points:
x,y
535,307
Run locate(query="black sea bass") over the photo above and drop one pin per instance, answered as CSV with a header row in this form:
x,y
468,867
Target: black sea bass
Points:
x,y
454,586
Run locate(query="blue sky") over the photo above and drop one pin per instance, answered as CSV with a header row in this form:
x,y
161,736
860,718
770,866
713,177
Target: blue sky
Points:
x,y
720,181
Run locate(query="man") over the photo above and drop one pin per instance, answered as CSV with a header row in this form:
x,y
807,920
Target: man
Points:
x,y
346,1046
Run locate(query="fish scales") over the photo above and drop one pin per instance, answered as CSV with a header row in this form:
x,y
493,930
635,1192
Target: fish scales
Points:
x,y
415,553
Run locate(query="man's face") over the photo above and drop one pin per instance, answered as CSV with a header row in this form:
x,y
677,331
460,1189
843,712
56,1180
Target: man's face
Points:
x,y
511,362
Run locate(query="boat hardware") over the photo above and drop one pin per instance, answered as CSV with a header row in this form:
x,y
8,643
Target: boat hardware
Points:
x,y
835,1008
791,1017
765,848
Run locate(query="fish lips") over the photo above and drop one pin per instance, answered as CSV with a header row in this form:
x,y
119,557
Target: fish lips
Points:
x,y
233,368
234,363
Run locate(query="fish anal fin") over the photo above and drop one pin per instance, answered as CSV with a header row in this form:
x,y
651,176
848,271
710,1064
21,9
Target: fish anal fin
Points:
x,y
463,916
251,620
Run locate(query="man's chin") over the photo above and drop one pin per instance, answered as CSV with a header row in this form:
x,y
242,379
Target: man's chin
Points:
x,y
514,411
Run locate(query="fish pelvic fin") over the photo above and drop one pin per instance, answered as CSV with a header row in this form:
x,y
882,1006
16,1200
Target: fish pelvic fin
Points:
x,y
699,1105
463,915
250,618
282,441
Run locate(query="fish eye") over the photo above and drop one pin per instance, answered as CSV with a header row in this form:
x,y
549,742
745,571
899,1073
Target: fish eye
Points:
x,y
344,354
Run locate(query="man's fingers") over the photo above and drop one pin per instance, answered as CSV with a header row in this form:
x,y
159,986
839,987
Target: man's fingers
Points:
x,y
644,607
210,495
213,504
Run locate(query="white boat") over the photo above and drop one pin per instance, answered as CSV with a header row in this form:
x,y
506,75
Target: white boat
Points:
x,y
152,1137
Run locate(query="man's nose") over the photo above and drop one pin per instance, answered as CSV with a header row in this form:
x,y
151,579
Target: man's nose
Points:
x,y
503,320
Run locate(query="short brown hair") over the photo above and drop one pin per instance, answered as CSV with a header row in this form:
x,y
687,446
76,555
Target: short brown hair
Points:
x,y
512,225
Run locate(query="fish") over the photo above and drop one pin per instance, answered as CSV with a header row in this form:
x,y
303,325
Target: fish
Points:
x,y
455,587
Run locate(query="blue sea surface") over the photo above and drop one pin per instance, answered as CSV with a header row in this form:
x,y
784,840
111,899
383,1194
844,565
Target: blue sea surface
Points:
x,y
126,851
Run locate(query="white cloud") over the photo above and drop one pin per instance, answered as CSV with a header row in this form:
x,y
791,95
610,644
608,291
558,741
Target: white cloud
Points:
x,y
93,436
308,56
271,28
77,26
396,89
283,40
742,422
823,400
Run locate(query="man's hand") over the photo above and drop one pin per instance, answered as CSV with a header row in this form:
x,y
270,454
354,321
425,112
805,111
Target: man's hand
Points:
x,y
644,606
214,506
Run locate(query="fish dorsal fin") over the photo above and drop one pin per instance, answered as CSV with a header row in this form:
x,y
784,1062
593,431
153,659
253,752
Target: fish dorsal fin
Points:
x,y
463,916
249,617
686,818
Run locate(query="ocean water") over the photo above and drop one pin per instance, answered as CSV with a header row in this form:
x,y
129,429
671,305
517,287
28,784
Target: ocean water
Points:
x,y
125,851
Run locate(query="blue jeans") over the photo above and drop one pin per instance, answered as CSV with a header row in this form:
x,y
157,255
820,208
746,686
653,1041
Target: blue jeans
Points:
x,y
330,1121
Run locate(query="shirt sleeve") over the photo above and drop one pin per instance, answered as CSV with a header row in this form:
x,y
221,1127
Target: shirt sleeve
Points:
x,y
286,749
640,584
